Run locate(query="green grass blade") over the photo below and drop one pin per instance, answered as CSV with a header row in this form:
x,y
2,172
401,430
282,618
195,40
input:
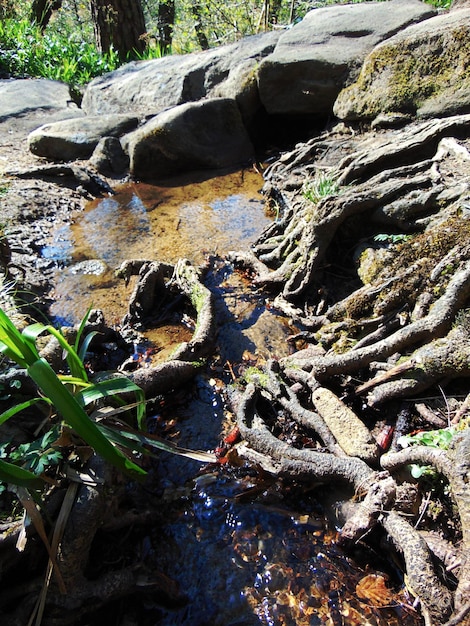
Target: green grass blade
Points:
x,y
81,329
136,441
65,403
113,386
18,408
15,475
74,362
67,379
13,344
85,344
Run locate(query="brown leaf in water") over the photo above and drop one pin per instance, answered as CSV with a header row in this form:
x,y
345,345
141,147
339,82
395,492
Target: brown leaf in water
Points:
x,y
373,590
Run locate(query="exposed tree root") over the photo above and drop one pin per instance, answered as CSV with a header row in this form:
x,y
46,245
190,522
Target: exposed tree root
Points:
x,y
82,178
454,464
434,324
436,599
389,319
384,316
287,460
158,292
380,495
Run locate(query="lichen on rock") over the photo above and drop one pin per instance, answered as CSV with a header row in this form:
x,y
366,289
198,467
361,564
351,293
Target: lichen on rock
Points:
x,y
422,70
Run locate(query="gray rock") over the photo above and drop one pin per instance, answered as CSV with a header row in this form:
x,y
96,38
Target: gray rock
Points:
x,y
26,104
315,59
18,97
200,135
95,267
149,87
77,138
423,70
109,157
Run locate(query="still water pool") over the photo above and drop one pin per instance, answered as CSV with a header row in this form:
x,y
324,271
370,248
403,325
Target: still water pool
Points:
x,y
179,220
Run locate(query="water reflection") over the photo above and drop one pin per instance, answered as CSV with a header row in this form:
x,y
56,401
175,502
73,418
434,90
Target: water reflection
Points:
x,y
179,220
112,228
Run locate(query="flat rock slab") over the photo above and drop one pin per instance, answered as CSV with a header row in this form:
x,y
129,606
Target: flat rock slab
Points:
x,y
77,138
316,58
32,102
18,97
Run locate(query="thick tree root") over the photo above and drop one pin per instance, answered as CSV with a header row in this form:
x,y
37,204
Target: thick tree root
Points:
x,y
435,323
158,292
436,599
378,496
84,180
454,464
286,460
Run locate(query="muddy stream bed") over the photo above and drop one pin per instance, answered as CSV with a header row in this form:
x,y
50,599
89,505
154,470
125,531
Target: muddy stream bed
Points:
x,y
235,546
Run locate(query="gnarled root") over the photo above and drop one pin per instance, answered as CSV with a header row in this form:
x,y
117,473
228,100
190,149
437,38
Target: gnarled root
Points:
x,y
436,599
284,459
379,499
158,292
454,464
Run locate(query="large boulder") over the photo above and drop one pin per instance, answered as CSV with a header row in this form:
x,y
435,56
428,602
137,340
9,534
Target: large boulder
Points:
x,y
77,138
423,70
316,58
198,135
149,87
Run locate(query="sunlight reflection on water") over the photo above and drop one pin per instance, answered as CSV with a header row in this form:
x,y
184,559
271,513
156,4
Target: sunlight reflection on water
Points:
x,y
165,223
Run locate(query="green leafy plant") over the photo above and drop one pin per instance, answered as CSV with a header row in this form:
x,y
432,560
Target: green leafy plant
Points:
x,y
93,410
440,438
68,393
38,455
386,238
321,186
25,51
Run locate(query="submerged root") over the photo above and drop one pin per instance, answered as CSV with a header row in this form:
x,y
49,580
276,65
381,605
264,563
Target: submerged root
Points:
x,y
160,292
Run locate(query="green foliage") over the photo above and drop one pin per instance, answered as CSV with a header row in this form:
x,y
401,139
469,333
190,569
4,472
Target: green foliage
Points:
x,y
69,393
386,238
67,52
89,409
440,4
440,438
25,52
36,456
320,187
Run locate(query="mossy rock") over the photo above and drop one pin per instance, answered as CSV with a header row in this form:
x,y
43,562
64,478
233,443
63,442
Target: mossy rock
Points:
x,y
422,70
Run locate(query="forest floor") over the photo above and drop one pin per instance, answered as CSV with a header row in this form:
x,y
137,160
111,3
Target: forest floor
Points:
x,y
369,255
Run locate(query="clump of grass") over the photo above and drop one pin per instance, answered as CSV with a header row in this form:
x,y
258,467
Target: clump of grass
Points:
x,y
321,186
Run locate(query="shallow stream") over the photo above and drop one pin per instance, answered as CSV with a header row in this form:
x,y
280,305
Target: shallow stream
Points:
x,y
243,548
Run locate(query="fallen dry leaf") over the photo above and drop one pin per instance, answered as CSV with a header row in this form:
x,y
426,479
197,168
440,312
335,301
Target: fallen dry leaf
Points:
x,y
373,590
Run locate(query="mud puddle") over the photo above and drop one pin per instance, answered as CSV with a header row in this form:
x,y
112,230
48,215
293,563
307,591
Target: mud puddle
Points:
x,y
180,220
